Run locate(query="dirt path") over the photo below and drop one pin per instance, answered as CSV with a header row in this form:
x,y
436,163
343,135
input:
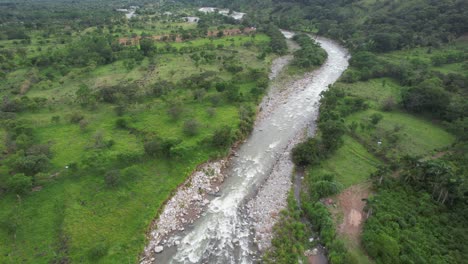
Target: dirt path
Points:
x,y
350,205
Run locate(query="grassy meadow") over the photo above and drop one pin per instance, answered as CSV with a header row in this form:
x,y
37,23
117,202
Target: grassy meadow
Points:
x,y
73,214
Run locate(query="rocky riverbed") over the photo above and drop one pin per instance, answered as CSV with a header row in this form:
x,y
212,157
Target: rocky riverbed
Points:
x,y
193,195
185,206
271,198
235,225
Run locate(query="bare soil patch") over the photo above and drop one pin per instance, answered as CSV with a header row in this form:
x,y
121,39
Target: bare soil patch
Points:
x,y
350,204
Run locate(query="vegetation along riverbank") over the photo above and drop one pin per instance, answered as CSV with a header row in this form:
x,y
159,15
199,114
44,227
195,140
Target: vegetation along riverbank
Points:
x,y
106,107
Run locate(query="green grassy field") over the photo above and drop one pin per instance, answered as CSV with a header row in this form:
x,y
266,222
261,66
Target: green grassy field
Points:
x,y
374,91
350,164
74,216
399,132
402,134
89,216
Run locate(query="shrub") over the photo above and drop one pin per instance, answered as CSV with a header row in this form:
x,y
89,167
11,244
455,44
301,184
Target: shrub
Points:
x,y
306,153
98,251
19,183
76,117
119,110
426,97
375,118
175,111
160,147
32,164
112,178
191,127
222,137
211,111
121,123
389,104
331,131
55,119
83,124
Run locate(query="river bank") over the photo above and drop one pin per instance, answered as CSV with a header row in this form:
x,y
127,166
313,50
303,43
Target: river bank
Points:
x,y
191,198
236,225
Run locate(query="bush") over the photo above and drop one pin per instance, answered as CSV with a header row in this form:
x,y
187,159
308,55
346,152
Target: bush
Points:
x,y
76,117
175,111
112,178
19,183
389,104
331,132
55,119
310,53
306,153
246,114
121,123
375,118
32,164
120,110
191,127
426,97
222,137
98,251
160,147
324,186
83,124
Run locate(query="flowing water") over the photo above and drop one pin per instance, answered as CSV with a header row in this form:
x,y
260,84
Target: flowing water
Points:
x,y
223,234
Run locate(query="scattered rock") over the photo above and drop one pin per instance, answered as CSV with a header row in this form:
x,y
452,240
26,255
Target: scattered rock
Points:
x,y
158,249
187,203
314,252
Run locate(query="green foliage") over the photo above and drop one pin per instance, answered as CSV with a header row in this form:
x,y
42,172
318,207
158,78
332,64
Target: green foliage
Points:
x,y
370,25
19,183
290,236
323,186
278,42
148,47
310,53
375,118
98,251
307,153
112,178
119,155
247,117
222,137
191,127
331,132
407,226
84,95
437,178
426,97
31,164
76,117
160,147
121,123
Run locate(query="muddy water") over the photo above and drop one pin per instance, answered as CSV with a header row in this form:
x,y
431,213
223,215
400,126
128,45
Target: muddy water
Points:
x,y
224,233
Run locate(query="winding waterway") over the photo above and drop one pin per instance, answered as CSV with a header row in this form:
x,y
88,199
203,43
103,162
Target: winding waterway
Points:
x,y
225,233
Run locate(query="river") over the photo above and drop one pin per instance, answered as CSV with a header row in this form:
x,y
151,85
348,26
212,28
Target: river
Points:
x,y
226,231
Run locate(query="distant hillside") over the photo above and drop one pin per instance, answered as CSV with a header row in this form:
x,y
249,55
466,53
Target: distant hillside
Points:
x,y
365,24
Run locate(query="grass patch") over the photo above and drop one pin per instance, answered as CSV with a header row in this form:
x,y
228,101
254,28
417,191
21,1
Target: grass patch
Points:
x,y
375,91
351,163
355,251
401,134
